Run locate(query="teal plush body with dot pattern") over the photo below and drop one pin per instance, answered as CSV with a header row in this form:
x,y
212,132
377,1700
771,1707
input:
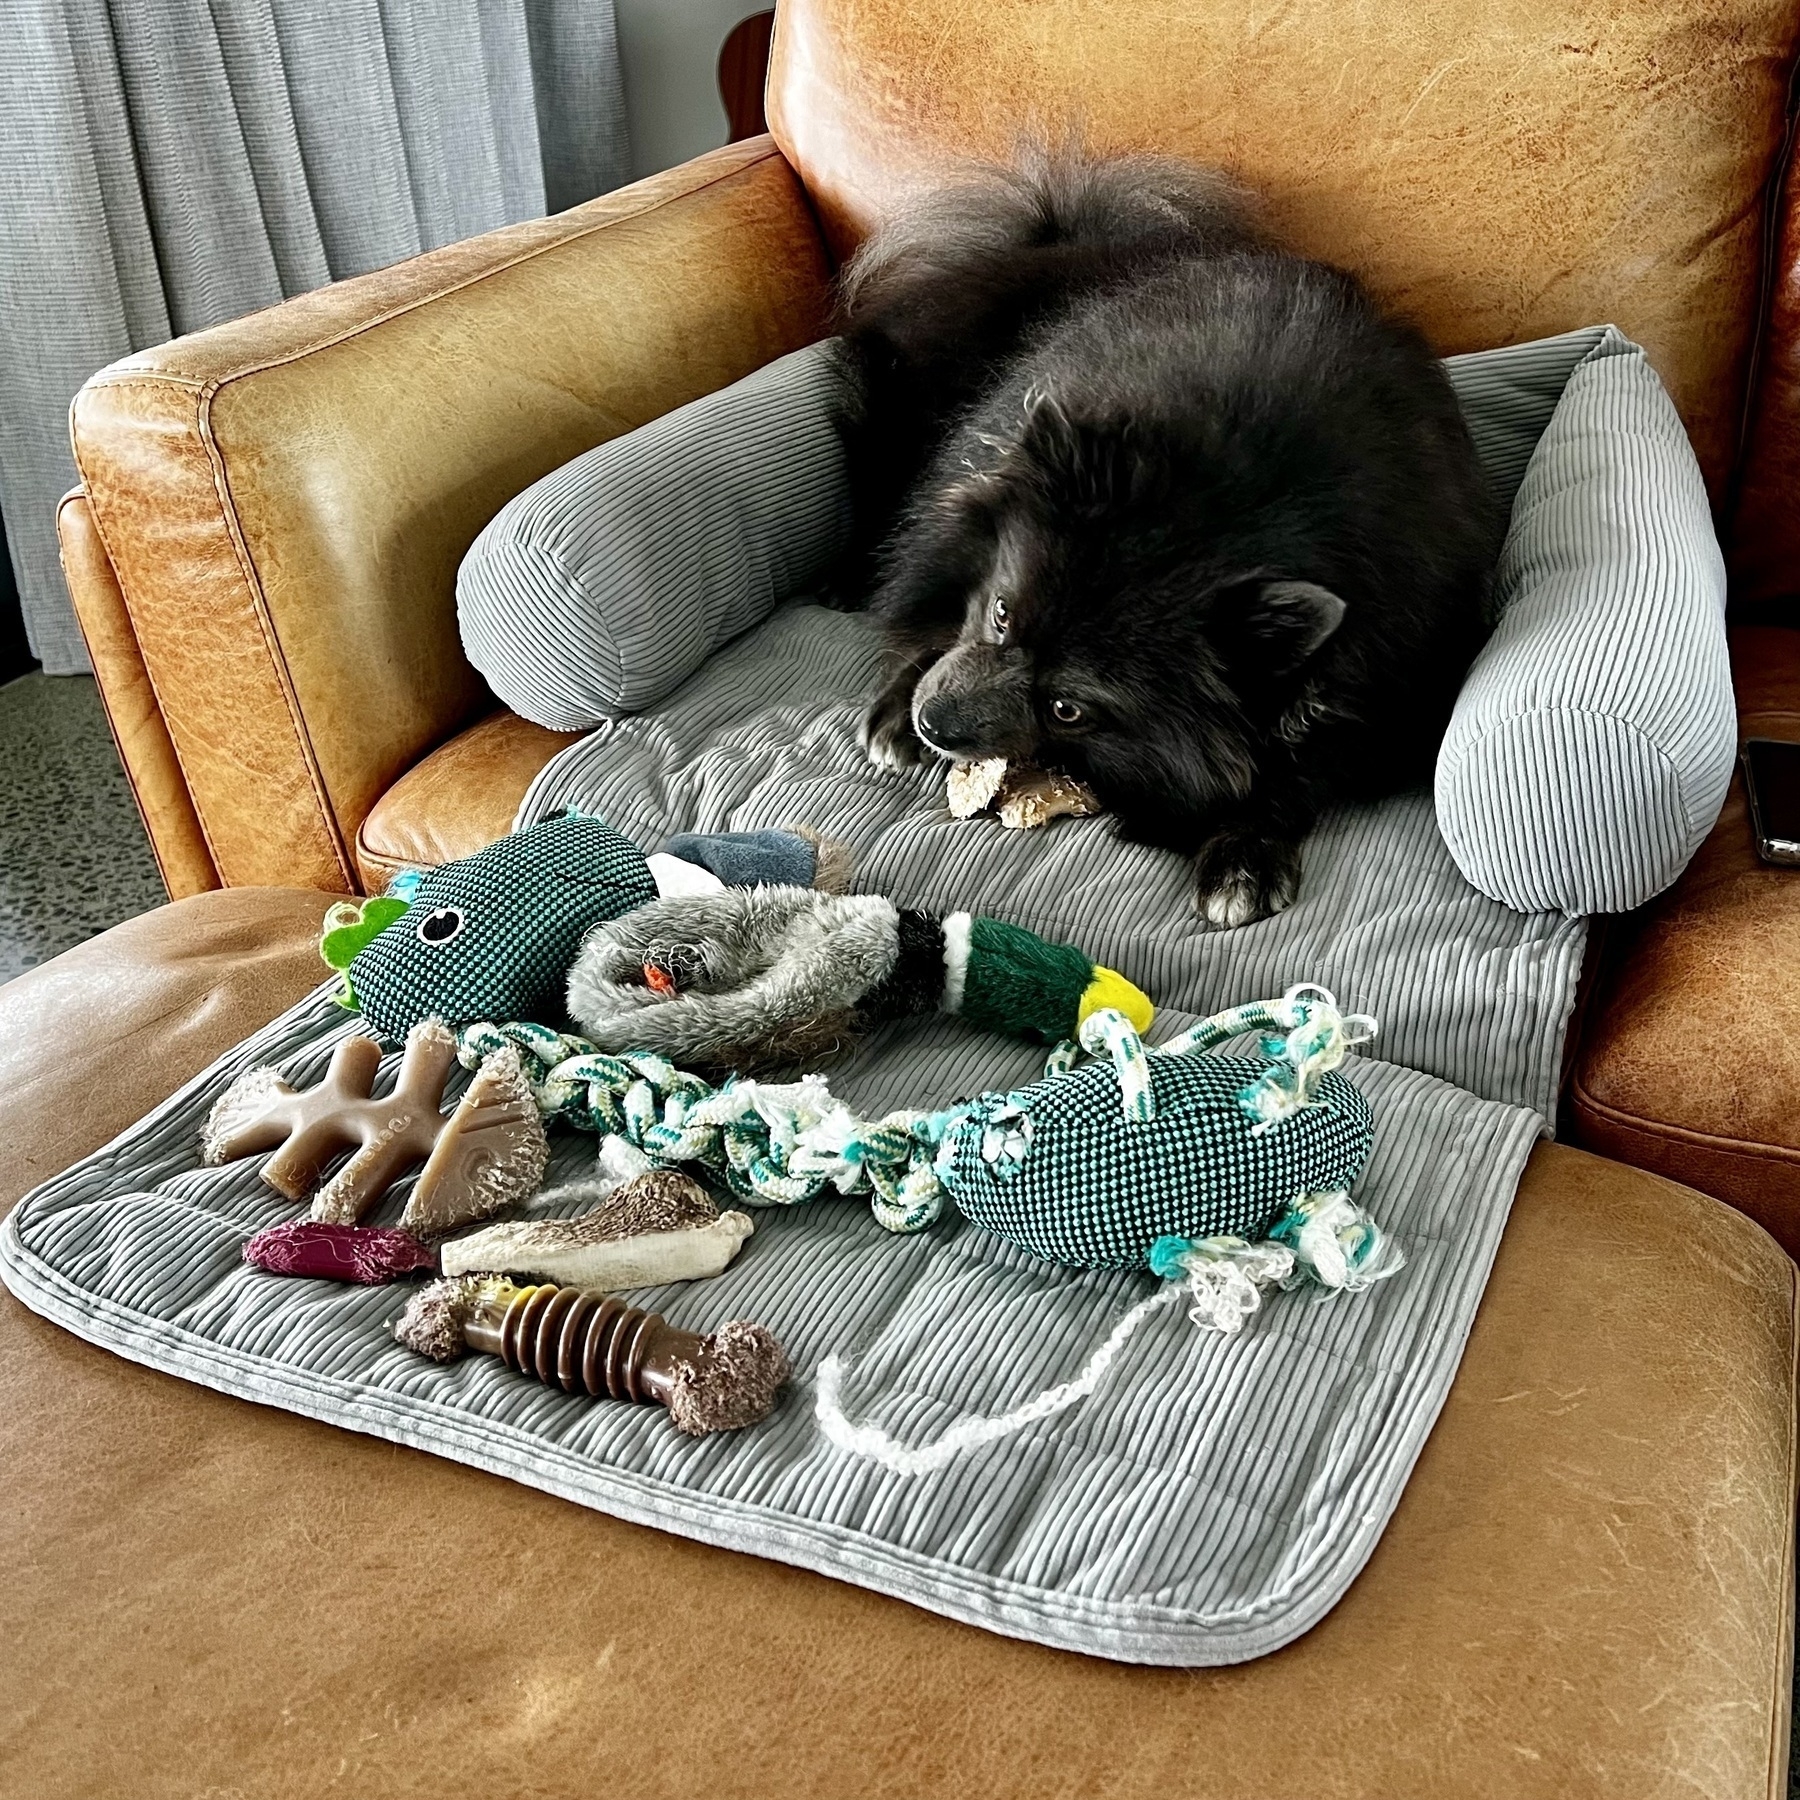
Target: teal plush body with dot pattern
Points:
x,y
490,935
1060,1169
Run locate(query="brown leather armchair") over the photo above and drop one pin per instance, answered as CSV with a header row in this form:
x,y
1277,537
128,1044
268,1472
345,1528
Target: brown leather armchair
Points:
x,y
1588,1588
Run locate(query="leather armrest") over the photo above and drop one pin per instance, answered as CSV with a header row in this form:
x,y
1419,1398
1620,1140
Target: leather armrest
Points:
x,y
1690,1061
139,732
285,499
457,800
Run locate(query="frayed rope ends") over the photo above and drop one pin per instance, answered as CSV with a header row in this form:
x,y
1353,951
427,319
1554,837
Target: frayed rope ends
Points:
x,y
1336,1245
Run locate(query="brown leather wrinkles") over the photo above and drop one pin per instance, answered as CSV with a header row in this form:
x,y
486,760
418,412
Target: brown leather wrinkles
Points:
x,y
142,739
1691,1056
227,707
286,499
1765,532
462,796
139,1010
1498,172
1581,1594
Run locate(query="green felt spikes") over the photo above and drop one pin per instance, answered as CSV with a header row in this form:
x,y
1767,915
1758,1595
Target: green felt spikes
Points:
x,y
348,927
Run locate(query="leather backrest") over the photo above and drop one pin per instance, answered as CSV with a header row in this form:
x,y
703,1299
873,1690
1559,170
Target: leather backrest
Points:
x,y
1765,531
1497,169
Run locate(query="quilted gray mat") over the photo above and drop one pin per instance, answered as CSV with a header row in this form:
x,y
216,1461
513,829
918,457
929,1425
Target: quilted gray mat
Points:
x,y
1211,1501
1209,1504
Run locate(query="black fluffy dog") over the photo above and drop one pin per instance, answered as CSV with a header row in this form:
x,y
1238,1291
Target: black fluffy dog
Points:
x,y
1178,512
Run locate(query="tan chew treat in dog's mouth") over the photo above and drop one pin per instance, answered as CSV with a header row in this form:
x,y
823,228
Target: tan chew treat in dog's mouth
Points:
x,y
592,1344
970,788
1025,797
1033,797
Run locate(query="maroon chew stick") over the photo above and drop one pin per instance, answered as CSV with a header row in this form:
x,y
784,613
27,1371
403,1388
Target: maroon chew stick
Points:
x,y
366,1254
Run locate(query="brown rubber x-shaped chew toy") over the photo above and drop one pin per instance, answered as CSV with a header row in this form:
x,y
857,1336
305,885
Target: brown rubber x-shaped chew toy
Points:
x,y
489,1152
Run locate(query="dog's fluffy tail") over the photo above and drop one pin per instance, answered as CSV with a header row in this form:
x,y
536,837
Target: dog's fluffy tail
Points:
x,y
1055,221
938,300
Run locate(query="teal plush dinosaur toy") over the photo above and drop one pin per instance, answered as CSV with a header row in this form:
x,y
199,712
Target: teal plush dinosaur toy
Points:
x,y
490,935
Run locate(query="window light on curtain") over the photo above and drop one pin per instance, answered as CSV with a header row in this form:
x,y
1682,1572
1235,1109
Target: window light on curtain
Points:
x,y
167,166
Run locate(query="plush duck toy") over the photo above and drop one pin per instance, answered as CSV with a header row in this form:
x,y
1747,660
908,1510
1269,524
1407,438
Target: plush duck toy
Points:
x,y
752,980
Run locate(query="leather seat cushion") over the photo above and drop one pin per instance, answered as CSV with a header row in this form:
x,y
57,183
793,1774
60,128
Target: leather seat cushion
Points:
x,y
1585,1591
452,802
1690,1058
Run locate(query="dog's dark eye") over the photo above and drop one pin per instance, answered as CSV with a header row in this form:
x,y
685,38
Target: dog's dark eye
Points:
x,y
1065,712
1000,617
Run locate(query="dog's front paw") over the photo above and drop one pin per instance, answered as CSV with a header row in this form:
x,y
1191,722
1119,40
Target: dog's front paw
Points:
x,y
887,734
1241,877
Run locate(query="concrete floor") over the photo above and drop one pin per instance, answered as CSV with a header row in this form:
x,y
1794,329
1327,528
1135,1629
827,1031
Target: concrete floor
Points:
x,y
73,855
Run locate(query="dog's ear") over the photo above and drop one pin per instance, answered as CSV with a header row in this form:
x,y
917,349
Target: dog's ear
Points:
x,y
1079,464
1279,624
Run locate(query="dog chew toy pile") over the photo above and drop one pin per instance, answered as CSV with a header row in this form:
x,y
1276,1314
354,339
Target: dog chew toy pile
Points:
x,y
1223,1175
755,980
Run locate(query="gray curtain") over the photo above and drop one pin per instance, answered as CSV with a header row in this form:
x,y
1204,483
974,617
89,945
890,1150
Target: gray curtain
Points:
x,y
169,164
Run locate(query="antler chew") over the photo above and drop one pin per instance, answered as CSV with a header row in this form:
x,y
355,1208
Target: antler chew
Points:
x,y
490,1151
660,1226
592,1344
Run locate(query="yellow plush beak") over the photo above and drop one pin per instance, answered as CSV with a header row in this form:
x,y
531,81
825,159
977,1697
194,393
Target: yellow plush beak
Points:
x,y
1110,988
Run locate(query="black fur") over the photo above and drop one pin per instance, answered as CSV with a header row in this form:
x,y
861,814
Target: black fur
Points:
x,y
1231,511
916,983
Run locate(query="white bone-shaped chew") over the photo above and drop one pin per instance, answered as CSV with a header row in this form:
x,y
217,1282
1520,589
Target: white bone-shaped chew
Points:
x,y
659,1227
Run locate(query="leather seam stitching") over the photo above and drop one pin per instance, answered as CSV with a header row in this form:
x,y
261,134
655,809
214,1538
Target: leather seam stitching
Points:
x,y
149,676
1774,199
213,385
131,780
259,611
143,378
1681,1134
1780,1753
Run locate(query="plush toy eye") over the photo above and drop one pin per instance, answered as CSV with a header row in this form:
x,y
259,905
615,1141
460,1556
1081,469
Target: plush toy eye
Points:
x,y
441,926
1000,617
1065,712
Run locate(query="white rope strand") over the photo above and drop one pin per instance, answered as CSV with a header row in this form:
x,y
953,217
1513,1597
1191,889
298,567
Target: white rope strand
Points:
x,y
966,1434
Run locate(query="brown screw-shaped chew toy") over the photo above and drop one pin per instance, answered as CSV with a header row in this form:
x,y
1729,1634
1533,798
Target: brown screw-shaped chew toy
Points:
x,y
489,1152
593,1344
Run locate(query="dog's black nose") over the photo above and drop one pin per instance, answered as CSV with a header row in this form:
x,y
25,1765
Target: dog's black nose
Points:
x,y
947,726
